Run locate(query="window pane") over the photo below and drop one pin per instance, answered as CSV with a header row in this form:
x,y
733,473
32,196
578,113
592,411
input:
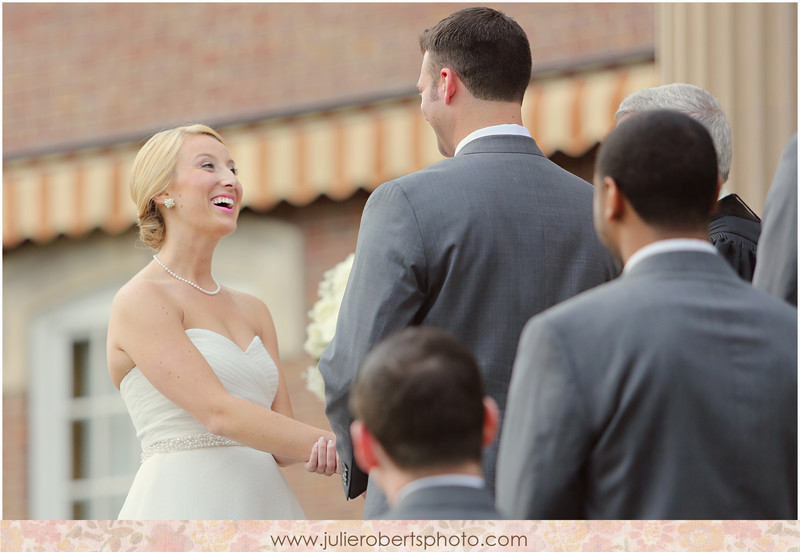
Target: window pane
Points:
x,y
80,368
79,450
80,510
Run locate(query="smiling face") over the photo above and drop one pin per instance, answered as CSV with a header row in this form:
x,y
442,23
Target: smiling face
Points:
x,y
205,187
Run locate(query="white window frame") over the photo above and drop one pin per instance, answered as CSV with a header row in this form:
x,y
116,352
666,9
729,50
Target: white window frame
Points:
x,y
53,408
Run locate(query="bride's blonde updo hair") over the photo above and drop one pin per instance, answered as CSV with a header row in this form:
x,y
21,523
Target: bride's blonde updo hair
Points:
x,y
152,173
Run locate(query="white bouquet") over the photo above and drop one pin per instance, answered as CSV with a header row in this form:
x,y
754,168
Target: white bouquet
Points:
x,y
323,316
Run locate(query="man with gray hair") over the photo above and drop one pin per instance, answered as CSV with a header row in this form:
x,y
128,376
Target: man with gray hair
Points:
x,y
733,226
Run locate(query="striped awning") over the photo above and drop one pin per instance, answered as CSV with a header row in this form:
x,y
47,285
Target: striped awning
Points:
x,y
299,158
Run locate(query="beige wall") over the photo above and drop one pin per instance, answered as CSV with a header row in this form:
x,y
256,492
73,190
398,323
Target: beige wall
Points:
x,y
746,56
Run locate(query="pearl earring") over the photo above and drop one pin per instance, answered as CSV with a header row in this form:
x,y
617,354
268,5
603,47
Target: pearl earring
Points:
x,y
169,203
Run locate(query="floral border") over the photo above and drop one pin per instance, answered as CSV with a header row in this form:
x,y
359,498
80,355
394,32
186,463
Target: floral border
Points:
x,y
506,536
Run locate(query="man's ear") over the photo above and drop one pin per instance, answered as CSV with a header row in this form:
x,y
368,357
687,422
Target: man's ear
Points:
x,y
363,446
491,420
716,194
613,199
448,81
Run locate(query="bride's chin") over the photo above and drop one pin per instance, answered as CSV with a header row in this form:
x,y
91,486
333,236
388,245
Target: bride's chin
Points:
x,y
227,228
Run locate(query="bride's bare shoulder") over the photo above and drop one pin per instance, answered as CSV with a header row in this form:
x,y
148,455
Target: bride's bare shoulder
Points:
x,y
140,308
141,294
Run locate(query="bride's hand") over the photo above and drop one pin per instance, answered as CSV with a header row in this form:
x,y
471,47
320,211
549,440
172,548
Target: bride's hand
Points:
x,y
323,459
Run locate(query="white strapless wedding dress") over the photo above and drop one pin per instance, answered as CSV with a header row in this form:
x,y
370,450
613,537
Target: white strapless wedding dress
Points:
x,y
189,473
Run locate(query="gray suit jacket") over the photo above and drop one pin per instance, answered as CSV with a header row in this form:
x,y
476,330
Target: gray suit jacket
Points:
x,y
670,393
445,502
475,244
776,270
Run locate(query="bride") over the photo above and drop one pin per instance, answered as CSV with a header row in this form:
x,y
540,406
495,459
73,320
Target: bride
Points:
x,y
197,363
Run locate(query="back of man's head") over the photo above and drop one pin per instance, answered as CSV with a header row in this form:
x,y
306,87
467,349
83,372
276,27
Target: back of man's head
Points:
x,y
694,102
488,50
665,165
419,392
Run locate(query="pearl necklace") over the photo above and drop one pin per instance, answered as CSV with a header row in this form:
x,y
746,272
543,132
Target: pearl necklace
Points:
x,y
219,287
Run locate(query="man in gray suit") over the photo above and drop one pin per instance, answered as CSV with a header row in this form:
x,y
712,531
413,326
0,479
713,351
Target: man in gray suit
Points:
x,y
776,271
421,421
670,393
475,244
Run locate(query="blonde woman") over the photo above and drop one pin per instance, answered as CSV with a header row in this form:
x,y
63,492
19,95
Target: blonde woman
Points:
x,y
196,362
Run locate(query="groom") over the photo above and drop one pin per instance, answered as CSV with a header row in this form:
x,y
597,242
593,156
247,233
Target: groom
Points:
x,y
475,244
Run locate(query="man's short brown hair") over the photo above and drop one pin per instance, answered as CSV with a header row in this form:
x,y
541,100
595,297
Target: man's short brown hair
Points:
x,y
487,49
420,393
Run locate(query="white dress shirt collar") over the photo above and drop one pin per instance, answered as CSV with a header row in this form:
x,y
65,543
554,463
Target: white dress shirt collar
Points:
x,y
517,130
668,246
458,480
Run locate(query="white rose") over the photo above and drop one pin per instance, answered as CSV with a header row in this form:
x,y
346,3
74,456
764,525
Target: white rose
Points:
x,y
324,314
314,382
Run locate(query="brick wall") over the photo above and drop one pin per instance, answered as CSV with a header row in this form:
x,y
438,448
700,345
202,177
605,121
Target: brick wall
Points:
x,y
15,457
330,231
85,73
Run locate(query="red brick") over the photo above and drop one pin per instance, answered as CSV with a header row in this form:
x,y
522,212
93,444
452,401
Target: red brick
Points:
x,y
89,72
15,451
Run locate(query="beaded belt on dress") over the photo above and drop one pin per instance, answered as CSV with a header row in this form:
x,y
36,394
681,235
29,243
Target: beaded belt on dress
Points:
x,y
189,442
